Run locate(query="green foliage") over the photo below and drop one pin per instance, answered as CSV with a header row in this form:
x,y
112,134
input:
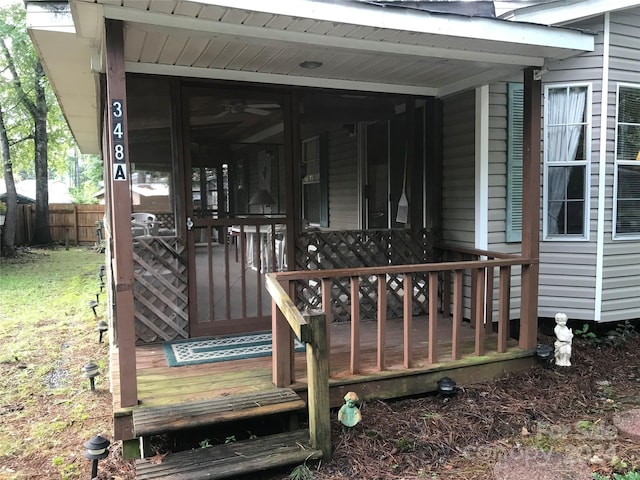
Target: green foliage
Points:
x,y
585,333
206,443
301,472
618,476
18,120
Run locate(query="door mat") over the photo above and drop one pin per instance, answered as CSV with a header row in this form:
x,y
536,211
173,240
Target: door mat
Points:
x,y
208,350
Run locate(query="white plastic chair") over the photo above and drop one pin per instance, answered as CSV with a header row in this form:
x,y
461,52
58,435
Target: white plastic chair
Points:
x,y
146,221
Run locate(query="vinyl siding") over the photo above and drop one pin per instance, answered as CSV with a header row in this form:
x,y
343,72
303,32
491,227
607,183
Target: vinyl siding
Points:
x,y
343,181
568,268
458,177
497,193
458,171
621,270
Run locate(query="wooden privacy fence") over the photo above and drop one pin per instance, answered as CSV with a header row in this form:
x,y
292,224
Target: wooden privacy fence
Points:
x,y
68,223
75,224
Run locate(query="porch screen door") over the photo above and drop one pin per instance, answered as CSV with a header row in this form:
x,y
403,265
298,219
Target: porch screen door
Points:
x,y
235,206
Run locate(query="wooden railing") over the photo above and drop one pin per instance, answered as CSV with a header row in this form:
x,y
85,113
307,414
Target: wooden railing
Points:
x,y
310,328
446,282
446,287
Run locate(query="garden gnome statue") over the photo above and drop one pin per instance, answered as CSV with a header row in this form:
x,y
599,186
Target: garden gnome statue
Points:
x,y
349,414
563,341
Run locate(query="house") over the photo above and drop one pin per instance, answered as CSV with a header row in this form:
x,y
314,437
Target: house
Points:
x,y
590,228
340,154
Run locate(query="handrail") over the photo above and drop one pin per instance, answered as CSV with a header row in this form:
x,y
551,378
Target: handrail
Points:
x,y
475,251
293,316
399,269
310,328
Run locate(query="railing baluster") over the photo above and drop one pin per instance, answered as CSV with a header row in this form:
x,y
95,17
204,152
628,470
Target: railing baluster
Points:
x,y
433,317
408,320
504,300
243,268
382,320
257,252
478,303
355,325
326,307
458,299
489,301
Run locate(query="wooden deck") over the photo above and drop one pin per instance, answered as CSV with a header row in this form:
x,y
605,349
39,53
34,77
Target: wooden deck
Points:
x,y
159,384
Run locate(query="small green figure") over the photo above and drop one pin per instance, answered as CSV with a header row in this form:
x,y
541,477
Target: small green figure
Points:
x,y
349,414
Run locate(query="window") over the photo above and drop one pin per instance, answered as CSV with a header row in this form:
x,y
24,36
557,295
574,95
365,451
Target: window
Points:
x,y
566,158
515,125
314,182
627,173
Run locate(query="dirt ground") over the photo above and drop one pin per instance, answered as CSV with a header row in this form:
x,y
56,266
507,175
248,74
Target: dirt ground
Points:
x,y
565,410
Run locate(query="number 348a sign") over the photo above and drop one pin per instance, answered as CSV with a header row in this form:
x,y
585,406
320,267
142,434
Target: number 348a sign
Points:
x,y
118,141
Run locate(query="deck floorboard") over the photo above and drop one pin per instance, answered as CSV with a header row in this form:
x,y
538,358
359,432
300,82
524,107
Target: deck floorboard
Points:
x,y
159,384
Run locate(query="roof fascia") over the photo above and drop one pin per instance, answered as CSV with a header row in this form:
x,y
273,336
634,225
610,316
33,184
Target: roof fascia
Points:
x,y
194,26
563,13
415,21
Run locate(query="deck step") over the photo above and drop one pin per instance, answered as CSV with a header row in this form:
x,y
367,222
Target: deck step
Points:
x,y
230,459
167,418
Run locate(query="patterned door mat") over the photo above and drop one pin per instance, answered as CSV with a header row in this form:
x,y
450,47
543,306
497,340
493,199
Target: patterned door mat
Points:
x,y
208,350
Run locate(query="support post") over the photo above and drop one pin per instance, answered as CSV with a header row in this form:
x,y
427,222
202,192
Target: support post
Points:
x,y
318,384
530,210
117,169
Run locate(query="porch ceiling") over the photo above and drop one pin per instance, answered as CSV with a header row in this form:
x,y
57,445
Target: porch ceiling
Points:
x,y
380,49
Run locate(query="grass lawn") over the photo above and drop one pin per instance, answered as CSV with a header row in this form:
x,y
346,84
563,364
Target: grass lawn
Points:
x,y
47,334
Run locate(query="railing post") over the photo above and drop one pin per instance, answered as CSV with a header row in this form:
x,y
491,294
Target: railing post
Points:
x,y
318,384
281,345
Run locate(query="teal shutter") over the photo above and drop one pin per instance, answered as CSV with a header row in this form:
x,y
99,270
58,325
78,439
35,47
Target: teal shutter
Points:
x,y
515,128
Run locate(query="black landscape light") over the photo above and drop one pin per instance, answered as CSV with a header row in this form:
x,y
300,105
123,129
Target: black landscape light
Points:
x,y
101,329
544,353
446,386
92,305
91,371
97,448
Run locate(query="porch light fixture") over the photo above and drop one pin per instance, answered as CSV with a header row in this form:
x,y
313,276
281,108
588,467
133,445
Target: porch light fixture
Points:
x,y
101,328
97,448
544,353
91,371
310,64
446,386
262,197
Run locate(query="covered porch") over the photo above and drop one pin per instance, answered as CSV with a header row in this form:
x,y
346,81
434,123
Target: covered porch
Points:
x,y
342,113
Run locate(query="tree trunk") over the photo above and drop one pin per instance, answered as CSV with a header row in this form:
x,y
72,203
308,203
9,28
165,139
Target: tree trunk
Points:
x,y
11,219
41,231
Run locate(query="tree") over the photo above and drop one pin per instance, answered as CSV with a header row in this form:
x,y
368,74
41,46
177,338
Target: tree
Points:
x,y
11,218
33,122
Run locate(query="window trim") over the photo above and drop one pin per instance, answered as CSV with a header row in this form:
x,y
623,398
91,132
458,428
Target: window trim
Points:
x,y
322,181
616,163
586,163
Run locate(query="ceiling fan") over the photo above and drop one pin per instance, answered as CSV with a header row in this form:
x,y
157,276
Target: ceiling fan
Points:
x,y
239,106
